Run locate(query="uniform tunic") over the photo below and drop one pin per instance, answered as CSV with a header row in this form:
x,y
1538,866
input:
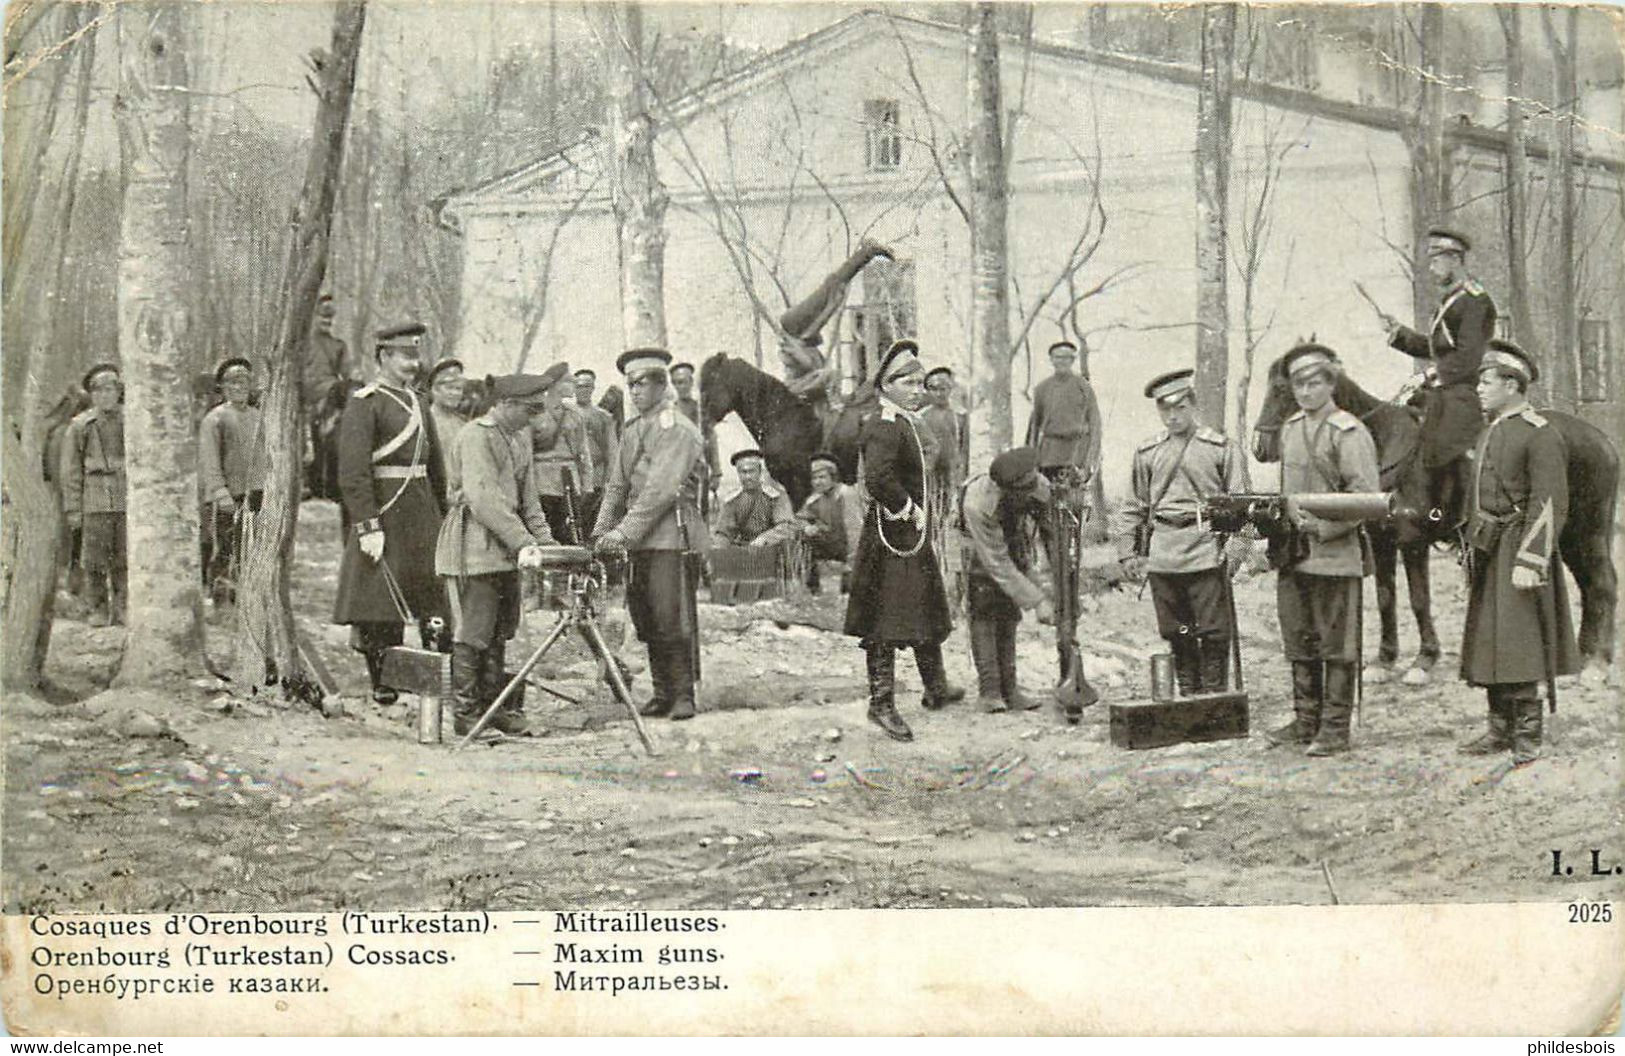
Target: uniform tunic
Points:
x,y
562,445
1318,598
762,516
230,449
601,440
897,591
1187,587
839,513
448,425
389,476
1455,341
93,486
659,470
1518,505
997,551
1065,423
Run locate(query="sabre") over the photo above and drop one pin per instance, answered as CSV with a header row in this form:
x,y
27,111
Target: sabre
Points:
x,y
1384,316
1544,622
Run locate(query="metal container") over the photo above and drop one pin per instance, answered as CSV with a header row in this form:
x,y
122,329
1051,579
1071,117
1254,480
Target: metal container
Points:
x,y
428,719
1163,687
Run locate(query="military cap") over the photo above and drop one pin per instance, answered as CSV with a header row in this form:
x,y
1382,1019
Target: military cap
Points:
x,y
638,361
1508,357
440,368
900,360
97,371
516,386
1444,240
1172,386
407,337
826,458
1065,348
1307,357
227,364
675,367
1013,466
554,374
593,374
934,371
748,452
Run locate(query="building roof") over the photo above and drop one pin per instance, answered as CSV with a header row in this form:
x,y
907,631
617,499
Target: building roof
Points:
x,y
857,28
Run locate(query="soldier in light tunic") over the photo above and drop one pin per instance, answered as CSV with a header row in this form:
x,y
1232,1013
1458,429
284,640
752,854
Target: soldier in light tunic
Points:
x,y
602,436
563,453
1317,591
447,392
1519,630
1160,539
760,515
93,492
651,510
389,477
230,471
1065,421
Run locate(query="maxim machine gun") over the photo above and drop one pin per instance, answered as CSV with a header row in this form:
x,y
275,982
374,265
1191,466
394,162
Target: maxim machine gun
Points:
x,y
1272,515
1067,513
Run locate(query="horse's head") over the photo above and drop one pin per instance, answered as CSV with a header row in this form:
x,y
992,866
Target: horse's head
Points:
x,y
846,433
716,389
1279,405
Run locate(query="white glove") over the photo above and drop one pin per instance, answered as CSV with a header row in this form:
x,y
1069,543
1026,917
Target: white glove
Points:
x,y
372,544
530,557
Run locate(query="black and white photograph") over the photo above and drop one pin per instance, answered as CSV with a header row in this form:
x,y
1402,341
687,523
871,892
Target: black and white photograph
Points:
x,y
639,461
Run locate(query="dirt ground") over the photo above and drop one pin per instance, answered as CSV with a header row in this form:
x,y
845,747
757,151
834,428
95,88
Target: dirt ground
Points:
x,y
780,794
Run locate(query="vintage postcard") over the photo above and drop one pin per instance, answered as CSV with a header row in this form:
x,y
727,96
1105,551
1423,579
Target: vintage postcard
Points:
x,y
696,518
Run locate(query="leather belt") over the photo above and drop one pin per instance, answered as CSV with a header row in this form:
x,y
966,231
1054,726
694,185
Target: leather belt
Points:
x,y
399,472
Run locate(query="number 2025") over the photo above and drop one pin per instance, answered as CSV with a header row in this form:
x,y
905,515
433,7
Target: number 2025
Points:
x,y
1591,912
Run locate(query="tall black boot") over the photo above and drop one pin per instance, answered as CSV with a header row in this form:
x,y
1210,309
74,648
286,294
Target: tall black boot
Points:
x,y
984,652
1013,694
1307,686
1333,736
99,591
466,680
660,702
882,666
1498,736
381,694
1215,662
1187,664
119,600
680,679
939,692
1523,702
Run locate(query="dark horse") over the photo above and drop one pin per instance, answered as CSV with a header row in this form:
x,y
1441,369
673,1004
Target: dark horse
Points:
x,y
787,430
1585,542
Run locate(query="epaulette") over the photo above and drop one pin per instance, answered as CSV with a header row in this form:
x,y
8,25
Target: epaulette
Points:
x,y
1473,287
1210,435
365,391
1342,420
888,413
85,416
1152,442
1533,417
667,418
1294,416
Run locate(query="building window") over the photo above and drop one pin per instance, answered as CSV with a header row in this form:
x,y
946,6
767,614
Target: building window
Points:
x,y
883,134
1596,360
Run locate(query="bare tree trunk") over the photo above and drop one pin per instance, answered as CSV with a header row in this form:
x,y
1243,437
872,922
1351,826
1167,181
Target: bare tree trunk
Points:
x,y
1425,141
155,338
266,638
639,197
1517,170
32,522
1564,386
1213,122
991,427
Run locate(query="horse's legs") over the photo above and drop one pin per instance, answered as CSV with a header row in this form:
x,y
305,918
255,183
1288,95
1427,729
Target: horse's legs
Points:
x,y
1383,549
1417,576
1587,557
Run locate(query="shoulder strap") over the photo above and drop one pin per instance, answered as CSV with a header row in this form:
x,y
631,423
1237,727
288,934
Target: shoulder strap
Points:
x,y
1168,481
414,423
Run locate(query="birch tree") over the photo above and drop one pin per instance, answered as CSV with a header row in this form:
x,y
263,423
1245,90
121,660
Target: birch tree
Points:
x,y
1564,42
266,640
153,111
1213,123
1516,200
991,429
1423,134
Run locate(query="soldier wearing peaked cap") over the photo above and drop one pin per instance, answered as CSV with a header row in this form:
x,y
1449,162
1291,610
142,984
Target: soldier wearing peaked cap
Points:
x,y
93,491
760,515
445,388
230,472
898,600
1317,590
494,518
1519,630
1455,341
651,509
1160,537
563,454
391,485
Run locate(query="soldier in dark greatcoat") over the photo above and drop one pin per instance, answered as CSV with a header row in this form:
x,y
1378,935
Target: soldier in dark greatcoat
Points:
x,y
897,598
1518,630
389,477
494,520
1160,539
651,509
995,513
1317,591
1455,342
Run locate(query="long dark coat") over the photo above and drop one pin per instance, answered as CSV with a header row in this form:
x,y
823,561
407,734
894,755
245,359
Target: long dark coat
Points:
x,y
1518,506
1458,334
895,598
373,418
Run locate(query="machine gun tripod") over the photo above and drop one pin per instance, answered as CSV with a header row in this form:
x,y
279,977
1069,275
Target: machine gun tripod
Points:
x,y
585,576
1068,512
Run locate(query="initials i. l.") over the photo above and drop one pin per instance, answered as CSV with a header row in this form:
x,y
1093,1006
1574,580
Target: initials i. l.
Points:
x,y
1598,866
